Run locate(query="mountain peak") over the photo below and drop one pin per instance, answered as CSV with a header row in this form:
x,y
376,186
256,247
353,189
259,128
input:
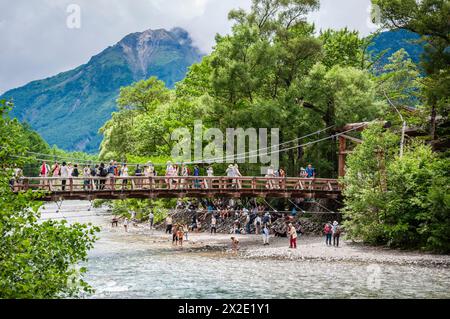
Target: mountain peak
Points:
x,y
78,102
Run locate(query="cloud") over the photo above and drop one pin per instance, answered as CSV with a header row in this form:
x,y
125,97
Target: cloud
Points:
x,y
35,41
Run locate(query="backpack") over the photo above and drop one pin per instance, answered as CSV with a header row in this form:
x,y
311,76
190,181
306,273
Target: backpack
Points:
x,y
337,231
103,172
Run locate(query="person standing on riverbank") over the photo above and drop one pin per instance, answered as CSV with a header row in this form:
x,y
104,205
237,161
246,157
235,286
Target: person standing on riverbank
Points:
x,y
175,235
169,224
327,230
125,224
151,218
292,233
265,234
213,224
180,235
186,231
336,233
258,225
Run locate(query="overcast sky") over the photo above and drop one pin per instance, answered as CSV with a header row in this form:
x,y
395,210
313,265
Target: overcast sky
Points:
x,y
35,41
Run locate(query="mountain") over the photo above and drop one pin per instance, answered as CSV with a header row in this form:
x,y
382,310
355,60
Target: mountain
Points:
x,y
394,40
69,108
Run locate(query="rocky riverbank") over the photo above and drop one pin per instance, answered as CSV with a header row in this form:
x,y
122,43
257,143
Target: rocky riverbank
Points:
x,y
309,248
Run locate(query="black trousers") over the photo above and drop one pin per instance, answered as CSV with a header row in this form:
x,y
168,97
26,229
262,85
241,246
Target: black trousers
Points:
x,y
213,229
63,182
336,240
169,229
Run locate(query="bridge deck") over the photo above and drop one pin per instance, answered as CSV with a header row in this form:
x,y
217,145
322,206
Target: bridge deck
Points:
x,y
57,188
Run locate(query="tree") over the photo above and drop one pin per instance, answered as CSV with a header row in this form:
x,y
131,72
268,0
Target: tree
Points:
x,y
400,202
401,83
429,18
342,47
38,259
143,95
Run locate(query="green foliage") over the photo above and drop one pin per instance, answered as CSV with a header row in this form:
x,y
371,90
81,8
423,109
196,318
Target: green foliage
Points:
x,y
400,202
38,259
342,47
142,208
429,19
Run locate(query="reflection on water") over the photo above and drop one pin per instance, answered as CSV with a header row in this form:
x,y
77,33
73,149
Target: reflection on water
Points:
x,y
125,268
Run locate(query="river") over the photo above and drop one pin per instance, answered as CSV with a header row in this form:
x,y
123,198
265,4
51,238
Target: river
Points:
x,y
142,265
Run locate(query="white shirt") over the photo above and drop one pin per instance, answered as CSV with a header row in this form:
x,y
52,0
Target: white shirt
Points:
x,y
64,171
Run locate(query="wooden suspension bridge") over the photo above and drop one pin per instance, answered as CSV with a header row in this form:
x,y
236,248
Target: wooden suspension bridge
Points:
x,y
90,188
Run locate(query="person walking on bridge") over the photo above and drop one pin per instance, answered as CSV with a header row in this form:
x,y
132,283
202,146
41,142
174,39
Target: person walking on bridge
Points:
x,y
87,175
56,171
64,175
44,172
230,173
310,171
237,174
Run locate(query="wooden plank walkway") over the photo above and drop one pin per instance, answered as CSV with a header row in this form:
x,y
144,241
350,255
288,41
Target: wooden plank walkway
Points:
x,y
89,188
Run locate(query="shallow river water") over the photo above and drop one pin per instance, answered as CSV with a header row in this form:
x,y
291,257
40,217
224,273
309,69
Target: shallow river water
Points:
x,y
125,266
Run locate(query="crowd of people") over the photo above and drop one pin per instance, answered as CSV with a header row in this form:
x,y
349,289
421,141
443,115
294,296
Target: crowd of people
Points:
x,y
67,172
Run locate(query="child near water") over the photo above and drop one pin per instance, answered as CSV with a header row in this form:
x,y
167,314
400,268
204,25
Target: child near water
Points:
x,y
180,235
234,244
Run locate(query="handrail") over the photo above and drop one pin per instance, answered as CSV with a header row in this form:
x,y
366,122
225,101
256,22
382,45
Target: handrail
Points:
x,y
174,183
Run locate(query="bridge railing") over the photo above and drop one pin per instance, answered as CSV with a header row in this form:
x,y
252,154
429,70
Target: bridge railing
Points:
x,y
176,183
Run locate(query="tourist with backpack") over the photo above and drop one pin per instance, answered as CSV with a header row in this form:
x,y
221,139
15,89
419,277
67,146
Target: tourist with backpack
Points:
x,y
64,175
103,172
336,230
76,174
327,231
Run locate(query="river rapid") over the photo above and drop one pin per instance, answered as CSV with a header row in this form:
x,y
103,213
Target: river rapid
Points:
x,y
144,264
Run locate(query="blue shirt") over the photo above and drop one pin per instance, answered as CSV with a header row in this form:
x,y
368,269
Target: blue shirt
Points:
x,y
196,172
310,172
